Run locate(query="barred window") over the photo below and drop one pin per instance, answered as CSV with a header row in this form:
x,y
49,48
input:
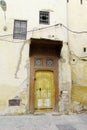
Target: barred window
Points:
x,y
44,17
38,62
49,63
20,29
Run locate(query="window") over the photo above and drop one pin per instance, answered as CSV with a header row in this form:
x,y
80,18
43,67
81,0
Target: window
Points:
x,y
20,29
38,62
49,63
44,17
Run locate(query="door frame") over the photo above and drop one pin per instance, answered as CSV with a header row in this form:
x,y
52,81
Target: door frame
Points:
x,y
45,52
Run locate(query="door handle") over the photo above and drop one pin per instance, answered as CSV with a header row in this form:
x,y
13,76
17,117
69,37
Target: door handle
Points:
x,y
34,78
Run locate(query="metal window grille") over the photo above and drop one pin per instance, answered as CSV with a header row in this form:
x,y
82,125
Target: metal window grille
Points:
x,y
44,17
20,29
49,63
38,62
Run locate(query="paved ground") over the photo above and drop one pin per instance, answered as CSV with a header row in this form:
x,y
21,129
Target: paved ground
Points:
x,y
44,122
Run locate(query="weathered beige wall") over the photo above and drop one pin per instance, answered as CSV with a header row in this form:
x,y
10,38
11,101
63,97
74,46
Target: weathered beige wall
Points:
x,y
14,63
64,81
79,86
78,58
14,54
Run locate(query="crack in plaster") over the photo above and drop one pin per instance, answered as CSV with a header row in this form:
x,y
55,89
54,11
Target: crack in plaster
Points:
x,y
19,61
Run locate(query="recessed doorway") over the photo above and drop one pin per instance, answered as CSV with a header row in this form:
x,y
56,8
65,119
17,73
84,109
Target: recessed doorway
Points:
x,y
44,86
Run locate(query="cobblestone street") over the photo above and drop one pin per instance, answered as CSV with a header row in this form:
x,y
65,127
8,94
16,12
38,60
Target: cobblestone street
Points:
x,y
44,122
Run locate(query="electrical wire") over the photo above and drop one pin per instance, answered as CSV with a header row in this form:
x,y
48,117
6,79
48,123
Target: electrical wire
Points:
x,y
33,30
74,58
38,29
79,32
12,41
56,25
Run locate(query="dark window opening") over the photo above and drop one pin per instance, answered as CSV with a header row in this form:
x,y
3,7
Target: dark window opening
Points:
x,y
44,17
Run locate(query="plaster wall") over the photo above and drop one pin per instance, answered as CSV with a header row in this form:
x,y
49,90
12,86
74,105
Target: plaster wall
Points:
x,y
14,54
78,57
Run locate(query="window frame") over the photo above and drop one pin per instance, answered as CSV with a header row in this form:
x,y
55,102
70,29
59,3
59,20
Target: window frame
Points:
x,y
18,29
43,21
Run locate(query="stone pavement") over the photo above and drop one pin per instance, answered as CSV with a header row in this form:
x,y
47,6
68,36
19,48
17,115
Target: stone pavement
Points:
x,y
44,122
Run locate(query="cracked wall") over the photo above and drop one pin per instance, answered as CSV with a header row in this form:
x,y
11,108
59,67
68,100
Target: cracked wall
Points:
x,y
79,86
64,81
78,56
11,86
14,54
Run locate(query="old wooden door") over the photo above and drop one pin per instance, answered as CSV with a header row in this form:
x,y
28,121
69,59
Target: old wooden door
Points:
x,y
44,90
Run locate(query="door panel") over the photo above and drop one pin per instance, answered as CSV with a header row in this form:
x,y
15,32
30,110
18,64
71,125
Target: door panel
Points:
x,y
44,90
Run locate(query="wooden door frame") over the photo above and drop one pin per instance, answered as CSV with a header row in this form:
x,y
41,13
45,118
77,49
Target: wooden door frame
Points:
x,y
34,54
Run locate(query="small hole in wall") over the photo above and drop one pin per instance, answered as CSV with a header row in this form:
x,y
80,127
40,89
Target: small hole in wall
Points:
x,y
4,28
84,49
81,1
67,43
73,59
14,102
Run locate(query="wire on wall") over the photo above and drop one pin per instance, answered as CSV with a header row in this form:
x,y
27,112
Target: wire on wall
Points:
x,y
74,58
38,29
12,41
44,28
